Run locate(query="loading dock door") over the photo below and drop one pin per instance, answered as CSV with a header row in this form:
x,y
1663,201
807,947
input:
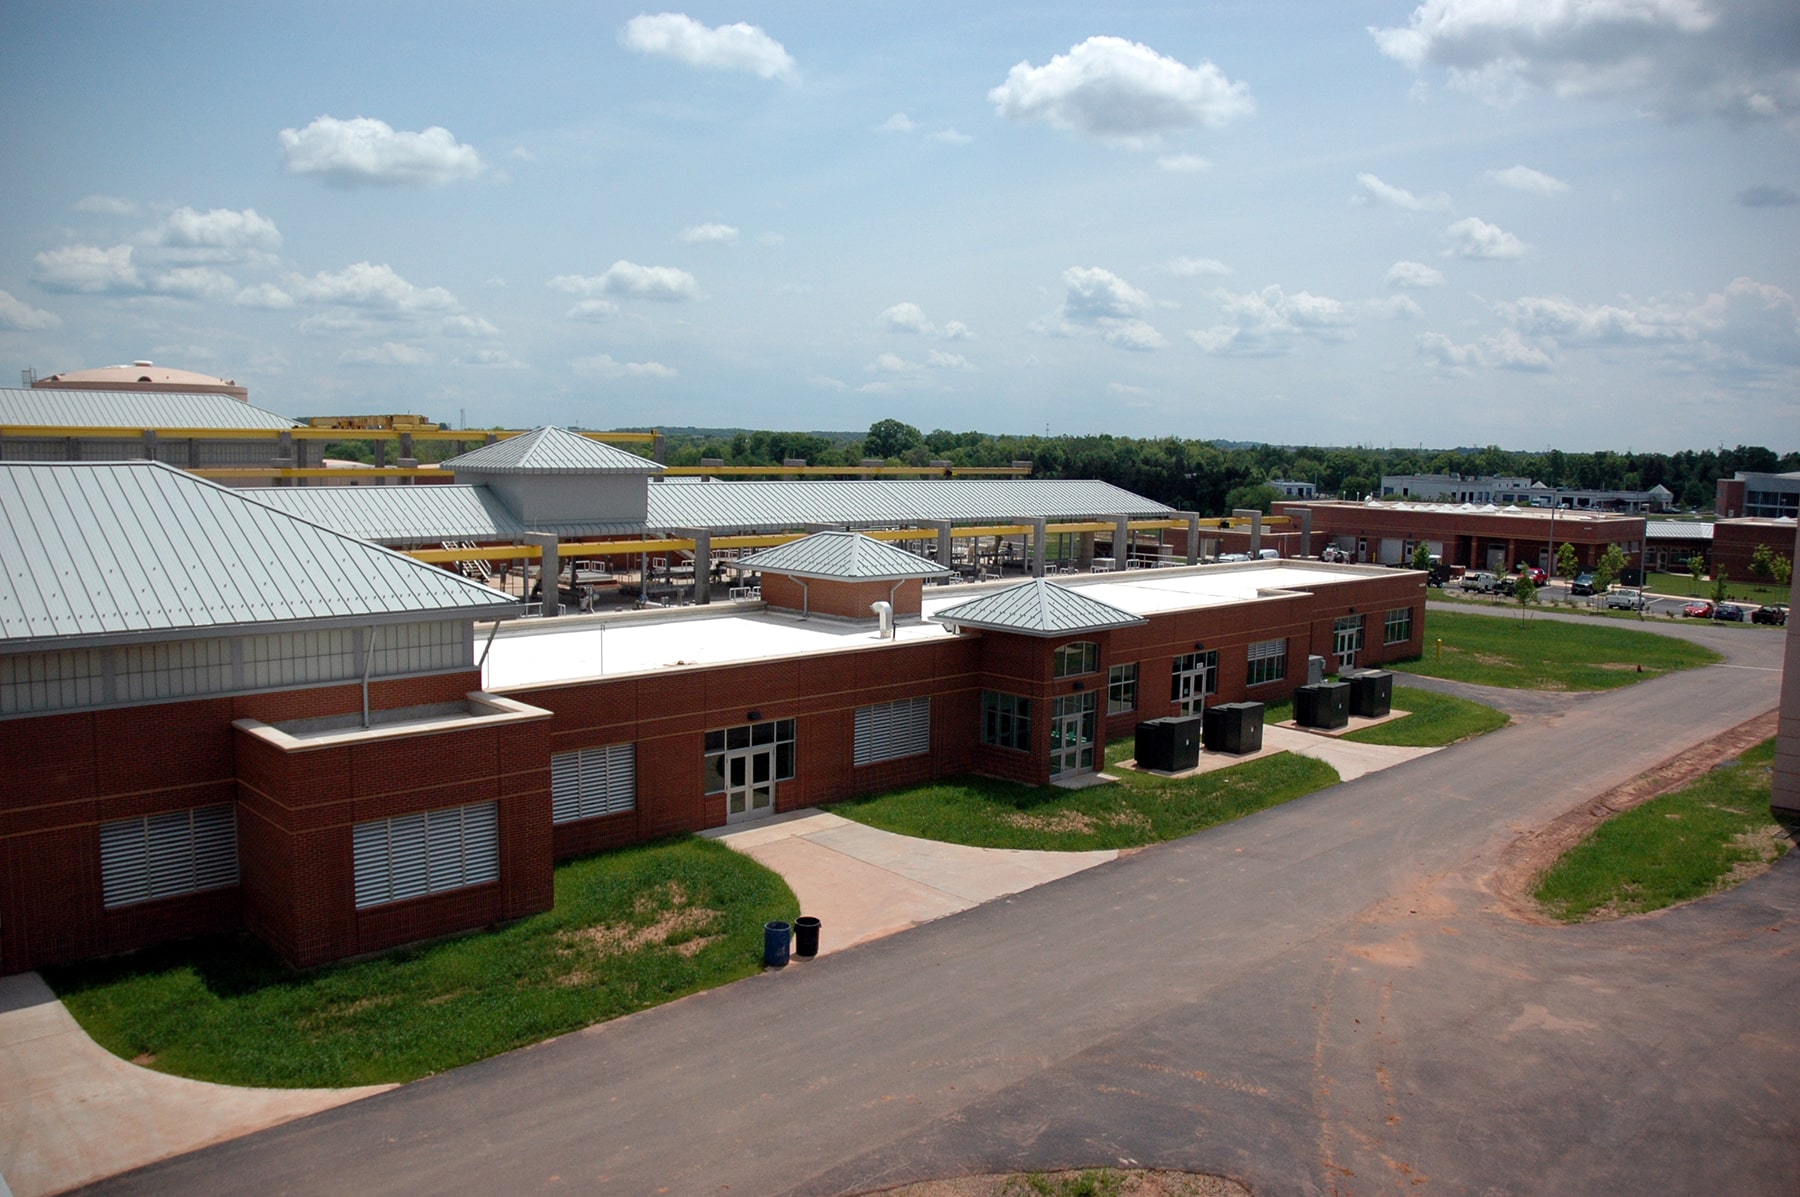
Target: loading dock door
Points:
x,y
1391,551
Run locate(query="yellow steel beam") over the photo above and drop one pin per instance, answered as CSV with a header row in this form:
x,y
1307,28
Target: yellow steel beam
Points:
x,y
504,552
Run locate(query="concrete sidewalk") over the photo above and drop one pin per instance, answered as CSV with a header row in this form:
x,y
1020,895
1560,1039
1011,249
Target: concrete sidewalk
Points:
x,y
72,1112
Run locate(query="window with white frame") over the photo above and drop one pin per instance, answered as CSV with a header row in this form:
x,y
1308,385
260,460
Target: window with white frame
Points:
x,y
1121,688
409,856
773,735
888,731
176,852
1192,678
1006,720
1347,639
1268,662
1072,660
1397,627
591,782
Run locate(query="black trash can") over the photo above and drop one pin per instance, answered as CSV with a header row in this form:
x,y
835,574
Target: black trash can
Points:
x,y
806,937
775,944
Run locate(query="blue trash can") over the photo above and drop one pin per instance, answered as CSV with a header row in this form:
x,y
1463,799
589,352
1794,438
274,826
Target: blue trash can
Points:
x,y
775,944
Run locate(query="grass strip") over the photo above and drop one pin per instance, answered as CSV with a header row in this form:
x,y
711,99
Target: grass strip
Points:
x,y
1432,720
1683,845
630,929
1543,654
1140,808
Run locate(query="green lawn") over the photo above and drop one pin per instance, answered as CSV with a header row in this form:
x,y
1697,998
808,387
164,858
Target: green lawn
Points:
x,y
1140,808
1682,845
1432,720
1737,590
1544,654
630,929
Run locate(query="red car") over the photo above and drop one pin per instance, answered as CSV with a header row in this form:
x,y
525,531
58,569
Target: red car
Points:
x,y
1538,577
1699,610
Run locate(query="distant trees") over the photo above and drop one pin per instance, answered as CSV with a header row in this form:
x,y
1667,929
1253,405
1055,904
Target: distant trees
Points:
x,y
891,438
1245,498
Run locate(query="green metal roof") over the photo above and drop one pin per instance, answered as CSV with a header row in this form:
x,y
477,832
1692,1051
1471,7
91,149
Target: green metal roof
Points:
x,y
128,550
842,556
1037,608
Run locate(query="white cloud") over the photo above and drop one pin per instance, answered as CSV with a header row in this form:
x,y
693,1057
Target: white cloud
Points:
x,y
1746,325
1523,178
593,310
1414,275
956,330
1376,191
1121,91
1183,164
709,234
88,270
1675,57
628,279
368,152
1438,348
106,205
1472,237
1126,388
890,363
388,353
371,288
602,365
1192,267
1509,351
196,282
1100,301
497,359
336,322
220,228
949,137
264,295
18,316
1506,351
467,326
895,365
1394,307
736,47
948,361
1270,322
897,123
908,318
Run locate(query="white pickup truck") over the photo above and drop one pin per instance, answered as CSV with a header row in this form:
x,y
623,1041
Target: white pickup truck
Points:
x,y
1481,582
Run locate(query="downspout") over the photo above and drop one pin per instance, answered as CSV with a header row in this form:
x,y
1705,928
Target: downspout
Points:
x,y
805,598
481,665
368,664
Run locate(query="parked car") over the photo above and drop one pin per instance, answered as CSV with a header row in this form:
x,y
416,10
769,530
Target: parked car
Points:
x,y
1582,585
1480,581
1730,612
1698,610
1775,613
1626,600
1538,577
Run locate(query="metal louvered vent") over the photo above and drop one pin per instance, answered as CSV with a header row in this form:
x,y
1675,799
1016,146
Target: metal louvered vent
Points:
x,y
176,852
890,730
409,856
592,782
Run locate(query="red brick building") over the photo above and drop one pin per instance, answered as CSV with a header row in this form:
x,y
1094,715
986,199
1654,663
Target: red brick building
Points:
x,y
1487,537
1734,544
217,717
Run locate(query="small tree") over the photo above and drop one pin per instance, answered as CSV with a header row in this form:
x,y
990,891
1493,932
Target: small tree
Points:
x,y
1718,591
1525,590
1612,564
1421,558
1697,565
1784,570
1567,564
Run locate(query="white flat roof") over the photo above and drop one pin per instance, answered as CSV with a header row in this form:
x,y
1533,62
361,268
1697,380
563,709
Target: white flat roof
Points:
x,y
584,648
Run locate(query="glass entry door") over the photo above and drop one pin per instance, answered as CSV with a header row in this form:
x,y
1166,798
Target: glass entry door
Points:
x,y
749,784
1072,728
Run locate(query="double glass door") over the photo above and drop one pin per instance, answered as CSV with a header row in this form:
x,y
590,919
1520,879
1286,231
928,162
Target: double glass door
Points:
x,y
1072,728
749,783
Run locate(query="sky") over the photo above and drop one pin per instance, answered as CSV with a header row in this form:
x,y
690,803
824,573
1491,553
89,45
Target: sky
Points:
x,y
1539,224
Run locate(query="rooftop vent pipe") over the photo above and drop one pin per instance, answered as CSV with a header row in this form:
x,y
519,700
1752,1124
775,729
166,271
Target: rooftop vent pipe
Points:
x,y
884,611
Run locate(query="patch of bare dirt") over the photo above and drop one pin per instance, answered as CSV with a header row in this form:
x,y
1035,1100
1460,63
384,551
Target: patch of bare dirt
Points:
x,y
1062,821
1108,1182
1532,854
671,913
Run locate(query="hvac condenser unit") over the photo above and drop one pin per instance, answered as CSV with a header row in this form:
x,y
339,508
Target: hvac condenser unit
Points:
x,y
1326,705
1234,727
1371,693
1170,744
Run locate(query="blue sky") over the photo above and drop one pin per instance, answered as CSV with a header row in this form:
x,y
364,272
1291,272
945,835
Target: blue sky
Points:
x,y
1535,223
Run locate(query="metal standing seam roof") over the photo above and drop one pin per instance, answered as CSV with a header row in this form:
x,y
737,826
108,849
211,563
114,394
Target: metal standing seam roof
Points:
x,y
398,514
1037,608
842,556
1677,530
775,505
48,407
550,450
127,549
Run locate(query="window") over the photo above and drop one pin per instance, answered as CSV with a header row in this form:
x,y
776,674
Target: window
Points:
x,y
1121,688
1192,677
772,735
1006,720
593,782
1072,659
1397,627
1347,639
1268,662
177,852
409,856
890,730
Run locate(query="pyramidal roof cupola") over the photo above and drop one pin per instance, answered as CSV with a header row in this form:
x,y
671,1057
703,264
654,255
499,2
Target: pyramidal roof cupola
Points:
x,y
552,475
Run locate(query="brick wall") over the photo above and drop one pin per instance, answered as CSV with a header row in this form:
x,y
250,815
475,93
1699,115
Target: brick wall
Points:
x,y
843,600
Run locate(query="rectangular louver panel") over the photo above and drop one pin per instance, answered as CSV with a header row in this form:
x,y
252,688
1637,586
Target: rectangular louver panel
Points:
x,y
409,856
593,782
369,845
890,730
481,843
176,852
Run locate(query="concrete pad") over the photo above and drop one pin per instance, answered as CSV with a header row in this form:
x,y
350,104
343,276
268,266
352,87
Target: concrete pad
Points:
x,y
1351,760
863,883
72,1112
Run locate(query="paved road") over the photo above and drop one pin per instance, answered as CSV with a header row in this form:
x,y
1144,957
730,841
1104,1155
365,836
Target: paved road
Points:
x,y
1317,999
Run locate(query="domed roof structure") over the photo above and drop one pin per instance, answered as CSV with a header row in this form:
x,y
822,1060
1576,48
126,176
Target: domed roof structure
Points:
x,y
142,376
